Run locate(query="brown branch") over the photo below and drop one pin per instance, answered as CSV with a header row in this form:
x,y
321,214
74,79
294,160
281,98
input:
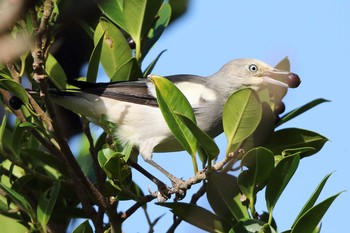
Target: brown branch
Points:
x,y
123,216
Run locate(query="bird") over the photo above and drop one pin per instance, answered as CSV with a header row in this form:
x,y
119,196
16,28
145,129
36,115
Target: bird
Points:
x,y
132,105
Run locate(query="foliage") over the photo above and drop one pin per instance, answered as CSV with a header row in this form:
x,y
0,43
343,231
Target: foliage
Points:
x,y
43,186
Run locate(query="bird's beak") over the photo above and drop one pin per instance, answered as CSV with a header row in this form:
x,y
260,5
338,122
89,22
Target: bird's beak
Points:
x,y
281,78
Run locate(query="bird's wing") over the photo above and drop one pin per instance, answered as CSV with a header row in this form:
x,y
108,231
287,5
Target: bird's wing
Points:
x,y
138,92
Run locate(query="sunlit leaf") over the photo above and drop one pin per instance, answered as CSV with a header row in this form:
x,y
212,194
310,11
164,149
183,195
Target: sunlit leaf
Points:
x,y
309,221
113,9
55,72
312,200
171,100
292,138
241,116
115,49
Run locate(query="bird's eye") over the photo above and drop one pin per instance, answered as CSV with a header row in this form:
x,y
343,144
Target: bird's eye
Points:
x,y
253,68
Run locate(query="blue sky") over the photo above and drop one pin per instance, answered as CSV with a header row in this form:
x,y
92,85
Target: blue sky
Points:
x,y
315,36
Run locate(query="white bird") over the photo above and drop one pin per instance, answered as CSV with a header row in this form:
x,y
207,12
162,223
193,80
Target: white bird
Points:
x,y
132,105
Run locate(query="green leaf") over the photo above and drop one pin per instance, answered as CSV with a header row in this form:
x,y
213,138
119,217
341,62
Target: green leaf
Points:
x,y
84,227
14,88
252,226
55,72
163,18
260,163
309,221
171,100
46,203
95,60
113,9
279,179
152,65
198,217
2,133
224,197
300,110
143,14
115,49
241,116
19,200
204,140
312,200
130,70
293,138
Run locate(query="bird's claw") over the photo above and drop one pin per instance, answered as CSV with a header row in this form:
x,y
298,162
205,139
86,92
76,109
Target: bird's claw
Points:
x,y
179,188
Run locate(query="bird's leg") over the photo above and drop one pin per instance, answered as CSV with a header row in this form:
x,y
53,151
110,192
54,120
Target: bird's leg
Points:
x,y
162,188
177,184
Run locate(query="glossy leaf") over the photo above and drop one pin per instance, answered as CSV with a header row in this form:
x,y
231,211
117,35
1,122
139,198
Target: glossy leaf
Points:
x,y
94,61
198,217
113,9
46,203
171,100
312,200
130,69
292,138
300,110
204,140
143,14
224,196
311,218
14,88
2,133
115,49
55,72
241,116
279,179
260,163
84,227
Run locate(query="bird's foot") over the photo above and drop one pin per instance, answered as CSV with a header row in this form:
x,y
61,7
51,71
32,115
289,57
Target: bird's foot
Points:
x,y
163,193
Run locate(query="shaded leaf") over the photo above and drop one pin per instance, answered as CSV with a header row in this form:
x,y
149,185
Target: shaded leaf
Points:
x,y
84,227
163,18
152,65
279,179
19,200
309,221
293,138
46,203
241,116
94,61
14,88
198,217
300,110
224,196
260,163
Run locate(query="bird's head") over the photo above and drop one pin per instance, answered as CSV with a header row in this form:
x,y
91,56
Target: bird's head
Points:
x,y
252,73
